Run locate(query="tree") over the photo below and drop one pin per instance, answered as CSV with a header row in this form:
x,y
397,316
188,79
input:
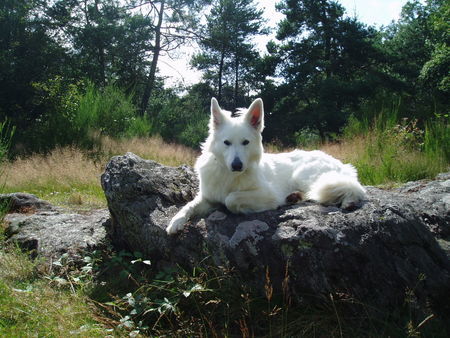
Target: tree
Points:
x,y
328,65
174,23
28,55
419,58
107,41
434,72
228,56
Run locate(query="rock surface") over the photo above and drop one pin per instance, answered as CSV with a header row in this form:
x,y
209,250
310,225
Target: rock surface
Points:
x,y
23,202
50,232
374,254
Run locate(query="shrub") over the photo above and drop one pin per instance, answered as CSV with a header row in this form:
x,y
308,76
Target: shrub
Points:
x,y
183,120
139,127
109,111
57,100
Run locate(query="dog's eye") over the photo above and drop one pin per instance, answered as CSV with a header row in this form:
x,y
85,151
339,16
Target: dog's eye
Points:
x,y
227,143
245,142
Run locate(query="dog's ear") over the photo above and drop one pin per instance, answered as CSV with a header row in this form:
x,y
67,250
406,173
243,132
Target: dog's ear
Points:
x,y
255,115
216,114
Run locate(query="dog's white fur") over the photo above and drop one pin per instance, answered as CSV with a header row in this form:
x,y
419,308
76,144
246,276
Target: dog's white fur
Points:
x,y
234,170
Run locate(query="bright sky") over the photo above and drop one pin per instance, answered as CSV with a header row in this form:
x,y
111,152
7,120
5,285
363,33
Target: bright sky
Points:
x,y
370,12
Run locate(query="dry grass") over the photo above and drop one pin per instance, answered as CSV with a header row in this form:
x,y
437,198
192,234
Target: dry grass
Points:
x,y
68,176
63,177
153,148
71,177
63,166
348,150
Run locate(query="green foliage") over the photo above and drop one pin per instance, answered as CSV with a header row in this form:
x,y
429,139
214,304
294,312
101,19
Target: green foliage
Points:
x,y
227,58
80,113
214,301
399,150
175,123
139,126
307,137
435,71
184,120
58,102
437,138
109,111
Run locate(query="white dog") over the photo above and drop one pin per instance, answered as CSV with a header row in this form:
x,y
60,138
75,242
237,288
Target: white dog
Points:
x,y
234,170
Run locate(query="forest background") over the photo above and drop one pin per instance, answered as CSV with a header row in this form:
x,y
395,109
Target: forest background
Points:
x,y
72,70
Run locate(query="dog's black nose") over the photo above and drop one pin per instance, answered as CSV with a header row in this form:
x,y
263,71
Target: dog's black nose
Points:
x,y
236,165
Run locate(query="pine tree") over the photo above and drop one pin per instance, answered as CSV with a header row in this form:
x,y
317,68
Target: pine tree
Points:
x,y
326,61
228,54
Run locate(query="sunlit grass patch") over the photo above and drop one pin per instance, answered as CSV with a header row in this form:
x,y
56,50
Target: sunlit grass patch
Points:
x,y
29,306
70,177
151,148
390,152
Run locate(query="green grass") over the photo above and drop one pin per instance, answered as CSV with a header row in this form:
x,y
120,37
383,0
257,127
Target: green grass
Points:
x,y
31,306
391,151
76,195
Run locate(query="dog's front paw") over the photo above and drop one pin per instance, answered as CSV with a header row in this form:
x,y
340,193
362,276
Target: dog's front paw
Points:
x,y
175,225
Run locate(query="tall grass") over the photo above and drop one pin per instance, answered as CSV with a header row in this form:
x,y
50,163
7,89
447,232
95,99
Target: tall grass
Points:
x,y
152,148
61,176
6,134
70,176
437,139
392,150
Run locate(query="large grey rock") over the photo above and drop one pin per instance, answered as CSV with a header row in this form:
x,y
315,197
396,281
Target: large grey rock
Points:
x,y
374,254
51,232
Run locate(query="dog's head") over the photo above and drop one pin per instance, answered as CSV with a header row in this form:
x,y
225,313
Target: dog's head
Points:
x,y
236,142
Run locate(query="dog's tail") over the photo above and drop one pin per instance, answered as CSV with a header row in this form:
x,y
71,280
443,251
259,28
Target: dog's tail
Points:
x,y
333,188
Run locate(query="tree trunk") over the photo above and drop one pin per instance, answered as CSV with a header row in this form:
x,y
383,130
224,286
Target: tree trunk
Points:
x,y
222,58
101,52
327,41
236,81
149,86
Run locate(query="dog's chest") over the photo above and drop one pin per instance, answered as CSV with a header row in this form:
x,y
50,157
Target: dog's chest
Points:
x,y
217,183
